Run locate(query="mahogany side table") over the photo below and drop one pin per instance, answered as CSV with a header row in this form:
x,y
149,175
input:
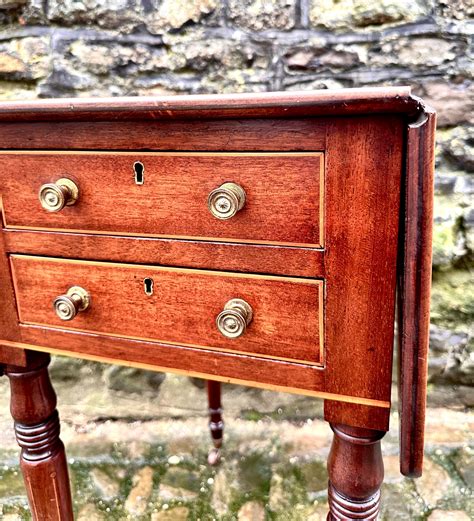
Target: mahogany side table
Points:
x,y
263,239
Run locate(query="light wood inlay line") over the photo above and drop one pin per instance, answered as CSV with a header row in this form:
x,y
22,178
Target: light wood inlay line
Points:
x,y
184,344
136,155
155,154
228,274
291,390
2,212
56,493
32,497
158,236
321,317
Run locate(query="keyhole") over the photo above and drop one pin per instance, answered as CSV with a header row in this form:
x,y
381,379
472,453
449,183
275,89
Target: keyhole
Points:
x,y
148,286
139,170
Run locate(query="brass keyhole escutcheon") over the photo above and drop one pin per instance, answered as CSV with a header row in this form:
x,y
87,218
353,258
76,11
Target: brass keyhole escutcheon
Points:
x,y
55,196
69,305
232,322
226,200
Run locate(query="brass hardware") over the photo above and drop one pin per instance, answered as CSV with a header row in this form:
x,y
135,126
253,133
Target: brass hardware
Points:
x,y
68,306
232,322
224,202
55,196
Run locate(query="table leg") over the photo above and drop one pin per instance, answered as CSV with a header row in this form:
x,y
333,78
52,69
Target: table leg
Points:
x,y
216,424
43,460
355,470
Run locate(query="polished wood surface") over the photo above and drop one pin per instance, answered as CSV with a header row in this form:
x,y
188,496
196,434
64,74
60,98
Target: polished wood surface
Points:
x,y
355,469
357,314
362,200
358,414
43,460
249,370
339,208
287,312
172,201
220,256
216,423
414,292
184,135
8,314
271,104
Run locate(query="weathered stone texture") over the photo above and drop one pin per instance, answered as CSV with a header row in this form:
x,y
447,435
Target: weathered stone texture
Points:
x,y
109,14
454,103
345,14
33,13
456,9
25,58
257,15
58,48
135,457
9,4
173,14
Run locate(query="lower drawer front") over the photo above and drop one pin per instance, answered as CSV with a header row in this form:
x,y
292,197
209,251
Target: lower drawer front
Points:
x,y
179,306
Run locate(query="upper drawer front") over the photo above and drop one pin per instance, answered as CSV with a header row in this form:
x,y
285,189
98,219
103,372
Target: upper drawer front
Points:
x,y
283,194
181,306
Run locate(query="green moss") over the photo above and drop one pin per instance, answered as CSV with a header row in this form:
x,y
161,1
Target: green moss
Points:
x,y
444,245
452,299
460,497
11,483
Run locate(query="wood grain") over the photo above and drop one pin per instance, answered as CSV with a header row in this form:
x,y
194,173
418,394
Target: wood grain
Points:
x,y
352,246
199,135
362,197
287,312
248,370
355,469
270,104
246,258
8,312
216,423
43,460
357,415
360,194
12,356
173,199
414,291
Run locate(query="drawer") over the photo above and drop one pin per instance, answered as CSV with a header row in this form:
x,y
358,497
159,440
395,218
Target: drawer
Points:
x,y
167,194
178,306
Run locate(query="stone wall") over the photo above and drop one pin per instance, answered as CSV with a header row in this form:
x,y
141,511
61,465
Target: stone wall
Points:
x,y
131,47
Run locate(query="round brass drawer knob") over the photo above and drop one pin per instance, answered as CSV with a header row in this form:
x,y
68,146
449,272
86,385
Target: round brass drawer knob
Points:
x,y
232,322
68,306
224,202
55,196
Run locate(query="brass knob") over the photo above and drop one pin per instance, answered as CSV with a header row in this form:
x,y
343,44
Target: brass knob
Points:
x,y
224,202
55,196
232,322
68,306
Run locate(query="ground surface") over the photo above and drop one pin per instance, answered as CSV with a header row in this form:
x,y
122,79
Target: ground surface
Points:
x,y
143,456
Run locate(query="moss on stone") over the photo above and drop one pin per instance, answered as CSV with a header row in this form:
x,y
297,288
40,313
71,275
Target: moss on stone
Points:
x,y
452,299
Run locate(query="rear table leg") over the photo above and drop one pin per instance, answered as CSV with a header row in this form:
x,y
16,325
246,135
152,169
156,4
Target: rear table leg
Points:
x,y
216,423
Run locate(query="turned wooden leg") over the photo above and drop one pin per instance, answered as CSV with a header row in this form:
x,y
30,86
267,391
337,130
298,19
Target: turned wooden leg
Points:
x,y
216,424
355,470
43,460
